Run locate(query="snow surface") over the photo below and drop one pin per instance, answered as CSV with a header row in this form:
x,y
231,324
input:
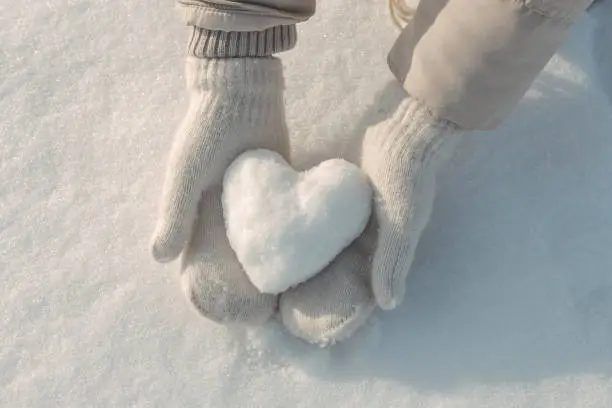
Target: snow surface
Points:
x,y
285,226
509,303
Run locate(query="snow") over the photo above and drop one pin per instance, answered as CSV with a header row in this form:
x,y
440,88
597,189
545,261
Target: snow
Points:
x,y
509,303
285,226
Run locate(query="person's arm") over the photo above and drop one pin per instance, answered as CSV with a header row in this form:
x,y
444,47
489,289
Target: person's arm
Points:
x,y
465,64
479,58
229,52
247,28
235,85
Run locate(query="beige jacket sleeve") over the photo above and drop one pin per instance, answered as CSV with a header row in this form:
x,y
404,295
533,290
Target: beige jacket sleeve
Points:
x,y
468,61
244,15
471,61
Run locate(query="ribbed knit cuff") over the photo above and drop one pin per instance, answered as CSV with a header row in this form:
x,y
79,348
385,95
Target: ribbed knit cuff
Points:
x,y
205,43
414,114
414,131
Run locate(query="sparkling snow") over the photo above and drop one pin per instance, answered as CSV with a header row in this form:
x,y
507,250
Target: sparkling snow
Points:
x,y
509,303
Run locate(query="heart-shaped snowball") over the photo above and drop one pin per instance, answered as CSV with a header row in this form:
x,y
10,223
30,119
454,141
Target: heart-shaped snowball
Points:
x,y
286,226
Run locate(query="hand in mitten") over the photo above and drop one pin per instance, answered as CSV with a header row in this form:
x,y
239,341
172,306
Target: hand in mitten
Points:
x,y
400,156
236,104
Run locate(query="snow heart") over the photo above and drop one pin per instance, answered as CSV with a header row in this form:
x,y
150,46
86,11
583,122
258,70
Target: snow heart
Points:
x,y
286,226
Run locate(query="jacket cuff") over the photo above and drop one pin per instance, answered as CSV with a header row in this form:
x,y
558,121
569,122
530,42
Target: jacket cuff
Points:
x,y
205,43
565,11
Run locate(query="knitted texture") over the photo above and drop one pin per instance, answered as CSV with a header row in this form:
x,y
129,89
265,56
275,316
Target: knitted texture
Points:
x,y
235,105
213,279
330,307
401,156
205,43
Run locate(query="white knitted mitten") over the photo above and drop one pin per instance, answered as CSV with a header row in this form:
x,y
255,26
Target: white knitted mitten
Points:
x,y
236,104
401,156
